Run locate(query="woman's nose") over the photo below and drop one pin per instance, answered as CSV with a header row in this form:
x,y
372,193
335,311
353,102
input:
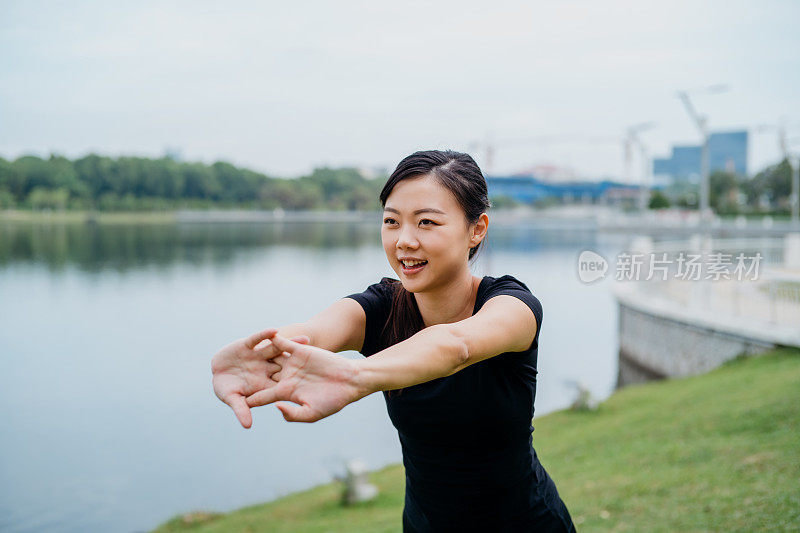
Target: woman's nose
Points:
x,y
407,239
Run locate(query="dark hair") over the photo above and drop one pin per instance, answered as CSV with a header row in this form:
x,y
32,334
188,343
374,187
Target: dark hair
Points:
x,y
458,173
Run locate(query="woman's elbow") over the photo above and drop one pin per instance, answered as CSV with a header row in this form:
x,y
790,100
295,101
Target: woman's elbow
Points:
x,y
455,346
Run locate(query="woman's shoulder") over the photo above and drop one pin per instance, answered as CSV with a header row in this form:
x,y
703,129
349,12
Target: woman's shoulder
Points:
x,y
508,284
376,300
386,285
376,292
506,278
506,281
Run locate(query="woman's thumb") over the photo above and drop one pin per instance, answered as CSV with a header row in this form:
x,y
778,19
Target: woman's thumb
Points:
x,y
293,413
302,339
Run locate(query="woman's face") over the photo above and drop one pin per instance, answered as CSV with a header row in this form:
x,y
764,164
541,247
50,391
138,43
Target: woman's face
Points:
x,y
424,221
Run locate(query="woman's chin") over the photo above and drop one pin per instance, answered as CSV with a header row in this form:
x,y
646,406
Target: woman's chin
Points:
x,y
413,284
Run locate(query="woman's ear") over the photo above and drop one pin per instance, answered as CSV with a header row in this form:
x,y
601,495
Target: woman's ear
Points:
x,y
479,229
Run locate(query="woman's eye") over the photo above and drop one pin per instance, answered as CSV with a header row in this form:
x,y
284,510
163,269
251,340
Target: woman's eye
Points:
x,y
423,221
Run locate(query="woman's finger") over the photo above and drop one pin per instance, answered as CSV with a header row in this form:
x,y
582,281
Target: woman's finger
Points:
x,y
241,410
282,344
255,338
263,397
296,413
272,367
268,351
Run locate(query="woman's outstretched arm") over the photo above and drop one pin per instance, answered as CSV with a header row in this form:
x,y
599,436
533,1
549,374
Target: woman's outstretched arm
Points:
x,y
319,384
503,324
337,328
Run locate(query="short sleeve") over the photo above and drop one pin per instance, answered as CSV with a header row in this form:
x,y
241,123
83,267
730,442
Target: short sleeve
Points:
x,y
376,301
514,287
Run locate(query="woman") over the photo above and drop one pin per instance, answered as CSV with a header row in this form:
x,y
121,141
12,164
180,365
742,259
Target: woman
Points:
x,y
454,354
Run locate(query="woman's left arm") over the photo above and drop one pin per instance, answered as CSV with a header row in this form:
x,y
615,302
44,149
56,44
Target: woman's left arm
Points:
x,y
320,383
503,324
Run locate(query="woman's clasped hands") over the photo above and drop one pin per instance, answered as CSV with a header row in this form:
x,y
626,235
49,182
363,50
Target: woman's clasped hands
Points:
x,y
312,382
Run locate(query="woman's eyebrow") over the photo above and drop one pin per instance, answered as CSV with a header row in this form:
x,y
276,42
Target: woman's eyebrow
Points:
x,y
418,211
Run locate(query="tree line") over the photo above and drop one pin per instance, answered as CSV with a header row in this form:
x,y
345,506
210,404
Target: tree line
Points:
x,y
137,183
768,192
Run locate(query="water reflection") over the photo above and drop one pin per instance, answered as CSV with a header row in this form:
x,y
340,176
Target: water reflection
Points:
x,y
95,247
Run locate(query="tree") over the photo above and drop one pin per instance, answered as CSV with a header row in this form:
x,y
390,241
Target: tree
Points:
x,y
200,182
723,191
96,181
773,183
43,198
658,200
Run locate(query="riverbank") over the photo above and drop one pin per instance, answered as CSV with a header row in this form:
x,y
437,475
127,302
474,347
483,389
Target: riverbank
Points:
x,y
712,452
566,218
82,217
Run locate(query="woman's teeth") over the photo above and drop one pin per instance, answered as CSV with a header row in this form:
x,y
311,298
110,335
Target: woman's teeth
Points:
x,y
413,267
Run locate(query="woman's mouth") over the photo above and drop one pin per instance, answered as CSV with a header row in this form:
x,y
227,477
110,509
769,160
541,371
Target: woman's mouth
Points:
x,y
412,267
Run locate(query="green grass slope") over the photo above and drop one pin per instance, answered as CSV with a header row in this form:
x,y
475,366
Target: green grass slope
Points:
x,y
717,452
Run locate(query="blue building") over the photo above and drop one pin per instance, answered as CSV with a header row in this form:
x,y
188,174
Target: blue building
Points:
x,y
726,151
529,189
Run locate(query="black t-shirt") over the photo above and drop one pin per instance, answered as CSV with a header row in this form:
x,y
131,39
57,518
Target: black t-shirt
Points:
x,y
467,438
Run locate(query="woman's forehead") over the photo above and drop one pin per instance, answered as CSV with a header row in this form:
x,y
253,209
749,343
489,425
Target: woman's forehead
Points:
x,y
412,195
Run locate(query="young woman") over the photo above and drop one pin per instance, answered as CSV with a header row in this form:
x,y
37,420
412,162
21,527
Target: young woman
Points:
x,y
454,354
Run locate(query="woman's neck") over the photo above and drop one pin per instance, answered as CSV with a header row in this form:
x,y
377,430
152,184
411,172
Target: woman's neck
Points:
x,y
451,302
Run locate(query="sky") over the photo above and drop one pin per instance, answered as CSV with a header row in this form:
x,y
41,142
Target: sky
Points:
x,y
284,87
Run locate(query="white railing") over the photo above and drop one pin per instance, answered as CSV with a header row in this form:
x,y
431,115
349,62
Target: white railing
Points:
x,y
770,296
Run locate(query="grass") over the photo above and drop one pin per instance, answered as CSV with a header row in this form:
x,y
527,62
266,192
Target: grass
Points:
x,y
316,509
716,452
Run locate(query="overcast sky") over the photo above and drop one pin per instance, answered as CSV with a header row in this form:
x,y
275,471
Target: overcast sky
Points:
x,y
282,87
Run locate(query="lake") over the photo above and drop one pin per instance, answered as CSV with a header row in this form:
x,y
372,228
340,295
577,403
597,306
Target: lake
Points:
x,y
109,421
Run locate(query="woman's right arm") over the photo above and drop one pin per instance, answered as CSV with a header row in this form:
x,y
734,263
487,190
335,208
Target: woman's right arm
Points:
x,y
338,328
